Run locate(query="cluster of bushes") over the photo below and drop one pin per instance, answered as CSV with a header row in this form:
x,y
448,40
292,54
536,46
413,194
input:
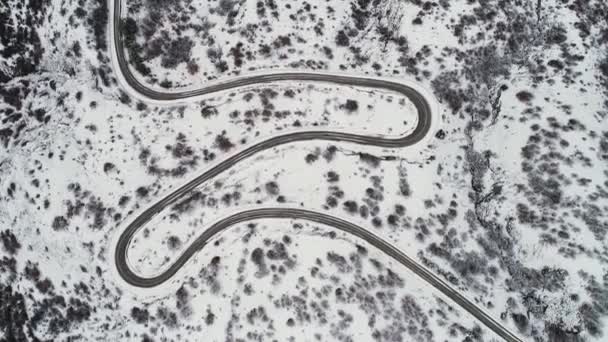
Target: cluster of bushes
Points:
x,y
21,46
99,22
129,32
9,242
13,314
172,51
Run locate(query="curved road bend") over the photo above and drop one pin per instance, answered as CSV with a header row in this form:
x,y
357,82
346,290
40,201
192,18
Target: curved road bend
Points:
x,y
241,81
422,128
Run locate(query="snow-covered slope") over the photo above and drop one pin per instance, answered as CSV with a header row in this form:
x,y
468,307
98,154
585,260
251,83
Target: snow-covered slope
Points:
x,y
506,199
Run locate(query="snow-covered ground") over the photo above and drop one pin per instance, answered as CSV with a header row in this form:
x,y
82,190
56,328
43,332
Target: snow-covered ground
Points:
x,y
506,199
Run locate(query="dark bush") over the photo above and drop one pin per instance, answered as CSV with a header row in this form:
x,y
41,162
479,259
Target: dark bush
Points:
x,y
351,206
123,200
78,311
108,167
140,315
257,256
223,143
524,96
44,285
99,21
404,187
556,35
272,188
183,301
142,191
169,318
440,134
179,51
281,41
226,6
446,87
59,223
332,177
557,333
21,46
192,67
129,31
604,67
210,318
208,111
9,241
350,106
392,220
342,39
174,243
470,263
13,314
521,321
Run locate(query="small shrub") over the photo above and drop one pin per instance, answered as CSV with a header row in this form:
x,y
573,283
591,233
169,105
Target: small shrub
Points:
x,y
59,223
9,241
174,243
223,143
351,106
140,315
342,39
524,96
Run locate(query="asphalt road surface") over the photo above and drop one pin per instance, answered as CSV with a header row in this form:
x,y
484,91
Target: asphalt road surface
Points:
x,y
422,128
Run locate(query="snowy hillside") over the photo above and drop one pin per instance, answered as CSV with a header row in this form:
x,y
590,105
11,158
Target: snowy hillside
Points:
x,y
505,199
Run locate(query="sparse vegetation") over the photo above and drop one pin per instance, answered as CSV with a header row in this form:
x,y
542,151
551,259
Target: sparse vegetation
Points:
x,y
503,201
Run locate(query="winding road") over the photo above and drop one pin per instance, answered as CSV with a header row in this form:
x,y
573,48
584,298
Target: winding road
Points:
x,y
420,131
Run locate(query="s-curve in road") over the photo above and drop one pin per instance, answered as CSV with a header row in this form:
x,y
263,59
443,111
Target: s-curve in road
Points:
x,y
119,56
423,126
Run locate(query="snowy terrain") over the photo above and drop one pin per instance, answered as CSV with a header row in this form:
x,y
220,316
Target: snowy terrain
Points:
x,y
506,199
